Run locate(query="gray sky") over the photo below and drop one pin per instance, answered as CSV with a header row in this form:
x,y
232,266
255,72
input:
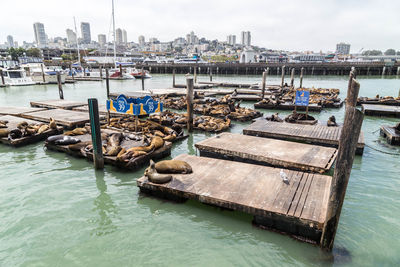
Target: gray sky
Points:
x,y
291,25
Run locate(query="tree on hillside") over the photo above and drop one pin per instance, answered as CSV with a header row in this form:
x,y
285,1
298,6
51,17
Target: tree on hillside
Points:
x,y
33,52
372,53
390,52
15,53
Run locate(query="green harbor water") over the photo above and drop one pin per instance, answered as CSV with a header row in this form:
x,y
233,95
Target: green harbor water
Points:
x,y
56,210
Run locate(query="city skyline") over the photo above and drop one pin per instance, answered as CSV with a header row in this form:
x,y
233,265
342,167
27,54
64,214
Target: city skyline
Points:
x,y
275,27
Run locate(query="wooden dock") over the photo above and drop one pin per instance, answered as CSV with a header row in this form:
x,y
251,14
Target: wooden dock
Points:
x,y
67,118
102,110
247,97
26,140
298,208
139,162
391,135
85,79
314,134
390,102
17,111
381,110
171,92
287,106
57,103
268,152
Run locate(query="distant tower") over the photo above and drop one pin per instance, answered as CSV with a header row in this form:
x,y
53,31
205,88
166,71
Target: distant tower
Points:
x,y
141,40
343,49
71,37
124,37
102,40
10,41
85,30
231,40
246,38
40,34
118,36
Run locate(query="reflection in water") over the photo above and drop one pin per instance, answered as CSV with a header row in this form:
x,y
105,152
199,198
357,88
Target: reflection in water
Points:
x,y
105,207
190,146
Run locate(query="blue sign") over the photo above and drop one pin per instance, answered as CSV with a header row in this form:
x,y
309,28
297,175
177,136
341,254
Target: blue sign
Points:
x,y
302,98
134,106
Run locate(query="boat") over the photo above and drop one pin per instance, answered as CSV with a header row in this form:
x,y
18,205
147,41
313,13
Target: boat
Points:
x,y
139,75
16,77
35,68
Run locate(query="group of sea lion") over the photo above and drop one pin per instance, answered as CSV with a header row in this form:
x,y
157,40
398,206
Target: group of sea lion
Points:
x,y
382,99
204,123
24,129
160,172
295,117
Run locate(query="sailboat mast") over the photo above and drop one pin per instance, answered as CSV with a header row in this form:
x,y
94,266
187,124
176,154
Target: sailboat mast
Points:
x,y
77,43
115,51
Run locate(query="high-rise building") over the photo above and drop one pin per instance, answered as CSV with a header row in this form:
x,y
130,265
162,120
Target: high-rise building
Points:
x,y
118,36
231,40
85,30
102,40
124,37
71,37
343,49
141,40
10,41
153,40
246,38
40,34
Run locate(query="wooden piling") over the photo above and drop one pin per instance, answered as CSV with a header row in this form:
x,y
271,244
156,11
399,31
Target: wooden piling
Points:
x,y
264,78
60,90
2,77
283,76
108,93
189,100
142,79
95,132
43,75
120,70
344,161
292,79
173,77
301,77
398,71
195,74
210,74
101,72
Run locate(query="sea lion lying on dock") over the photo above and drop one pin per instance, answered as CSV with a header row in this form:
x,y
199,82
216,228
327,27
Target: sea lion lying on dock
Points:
x,y
66,140
294,117
274,117
173,166
4,133
3,124
76,131
155,177
332,121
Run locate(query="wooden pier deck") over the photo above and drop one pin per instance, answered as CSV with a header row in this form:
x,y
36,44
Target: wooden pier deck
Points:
x,y
12,124
17,111
171,92
67,118
247,97
102,110
391,135
268,152
57,103
381,110
287,106
298,208
391,102
314,134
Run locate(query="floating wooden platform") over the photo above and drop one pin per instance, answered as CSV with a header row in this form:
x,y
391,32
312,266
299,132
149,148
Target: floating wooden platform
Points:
x,y
314,134
85,79
268,152
171,92
381,110
12,124
298,208
196,86
287,106
246,97
67,118
392,102
112,160
391,134
225,84
102,110
57,103
17,111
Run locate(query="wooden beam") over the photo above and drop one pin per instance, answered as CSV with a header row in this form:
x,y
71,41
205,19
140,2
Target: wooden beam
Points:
x,y
189,100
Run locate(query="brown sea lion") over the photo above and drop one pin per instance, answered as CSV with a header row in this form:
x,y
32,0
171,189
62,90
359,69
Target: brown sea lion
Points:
x,y
52,124
43,128
113,141
154,177
332,121
4,133
76,131
79,146
157,142
173,166
22,124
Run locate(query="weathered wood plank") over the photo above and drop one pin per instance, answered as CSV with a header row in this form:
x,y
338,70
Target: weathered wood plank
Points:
x,y
57,103
17,111
269,152
391,134
381,110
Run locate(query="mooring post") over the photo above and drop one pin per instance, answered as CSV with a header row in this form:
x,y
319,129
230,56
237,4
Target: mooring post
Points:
x,y
344,161
195,74
292,79
264,80
189,100
301,77
95,131
2,78
43,75
398,71
173,78
108,94
120,70
210,74
143,79
60,90
101,72
283,76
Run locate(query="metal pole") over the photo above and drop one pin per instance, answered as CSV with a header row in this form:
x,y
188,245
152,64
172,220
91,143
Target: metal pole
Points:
x,y
95,132
60,90
189,100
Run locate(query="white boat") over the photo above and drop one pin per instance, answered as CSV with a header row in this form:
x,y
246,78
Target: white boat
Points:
x,y
16,77
35,68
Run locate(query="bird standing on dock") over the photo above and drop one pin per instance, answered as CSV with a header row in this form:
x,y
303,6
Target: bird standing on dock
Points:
x,y
284,177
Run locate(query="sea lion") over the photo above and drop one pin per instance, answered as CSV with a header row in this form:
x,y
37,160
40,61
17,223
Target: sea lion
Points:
x,y
22,124
154,177
332,121
173,166
79,146
30,130
397,127
52,139
43,128
113,147
76,131
66,140
157,142
52,124
4,133
170,138
3,124
15,133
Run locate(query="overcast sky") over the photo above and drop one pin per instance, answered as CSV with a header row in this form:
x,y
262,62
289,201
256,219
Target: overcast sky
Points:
x,y
289,25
